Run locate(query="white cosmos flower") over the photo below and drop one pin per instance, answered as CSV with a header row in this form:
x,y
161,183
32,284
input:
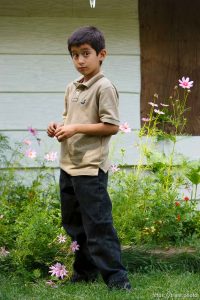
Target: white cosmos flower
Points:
x,y
159,112
153,104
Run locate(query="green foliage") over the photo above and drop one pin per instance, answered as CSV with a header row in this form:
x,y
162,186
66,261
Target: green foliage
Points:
x,y
145,212
148,201
30,221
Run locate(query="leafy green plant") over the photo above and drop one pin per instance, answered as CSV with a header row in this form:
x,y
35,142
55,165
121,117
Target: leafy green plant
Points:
x,y
193,174
148,201
30,215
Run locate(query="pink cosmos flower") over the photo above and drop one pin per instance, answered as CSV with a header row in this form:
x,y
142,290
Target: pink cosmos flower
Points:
x,y
51,156
185,83
145,119
58,270
114,168
3,252
61,238
33,131
125,127
27,142
153,104
31,153
74,246
164,105
51,283
159,112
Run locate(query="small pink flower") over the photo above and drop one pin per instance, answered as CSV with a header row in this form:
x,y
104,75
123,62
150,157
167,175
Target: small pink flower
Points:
x,y
153,104
177,203
51,283
51,156
61,238
58,270
164,105
159,112
125,127
74,246
3,252
145,119
185,83
27,142
114,168
31,153
33,131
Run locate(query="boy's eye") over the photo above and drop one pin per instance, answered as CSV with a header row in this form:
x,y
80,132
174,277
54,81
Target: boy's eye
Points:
x,y
85,53
74,55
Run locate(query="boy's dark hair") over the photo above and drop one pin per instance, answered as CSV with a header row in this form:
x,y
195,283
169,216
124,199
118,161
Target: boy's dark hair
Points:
x,y
87,35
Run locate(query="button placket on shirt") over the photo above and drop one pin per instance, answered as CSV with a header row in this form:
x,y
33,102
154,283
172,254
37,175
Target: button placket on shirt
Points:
x,y
76,95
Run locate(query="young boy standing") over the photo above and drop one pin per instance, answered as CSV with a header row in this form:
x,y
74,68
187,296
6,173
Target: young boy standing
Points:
x,y
90,119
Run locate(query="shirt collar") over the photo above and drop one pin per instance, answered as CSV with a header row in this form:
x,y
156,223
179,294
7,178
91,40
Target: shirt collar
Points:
x,y
88,83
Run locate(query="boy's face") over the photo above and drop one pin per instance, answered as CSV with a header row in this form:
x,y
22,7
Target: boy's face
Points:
x,y
86,60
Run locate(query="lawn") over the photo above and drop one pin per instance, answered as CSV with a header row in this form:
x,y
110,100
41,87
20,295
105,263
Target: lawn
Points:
x,y
152,285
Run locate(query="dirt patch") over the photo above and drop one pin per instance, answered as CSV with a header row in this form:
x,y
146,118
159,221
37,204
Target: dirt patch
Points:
x,y
172,251
167,252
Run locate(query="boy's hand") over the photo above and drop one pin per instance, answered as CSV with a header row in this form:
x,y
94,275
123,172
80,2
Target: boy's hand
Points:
x,y
52,128
65,132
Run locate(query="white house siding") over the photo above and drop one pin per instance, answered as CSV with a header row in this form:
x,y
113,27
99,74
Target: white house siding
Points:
x,y
35,66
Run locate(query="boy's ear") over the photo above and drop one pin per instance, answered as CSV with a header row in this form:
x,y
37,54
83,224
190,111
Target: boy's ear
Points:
x,y
102,54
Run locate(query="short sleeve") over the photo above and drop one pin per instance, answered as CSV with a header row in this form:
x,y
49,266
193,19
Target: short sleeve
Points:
x,y
64,115
108,106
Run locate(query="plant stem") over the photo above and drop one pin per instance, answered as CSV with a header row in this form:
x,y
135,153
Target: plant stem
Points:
x,y
195,193
171,157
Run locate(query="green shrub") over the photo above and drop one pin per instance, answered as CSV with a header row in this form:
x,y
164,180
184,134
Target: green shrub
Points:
x,y
149,204
30,220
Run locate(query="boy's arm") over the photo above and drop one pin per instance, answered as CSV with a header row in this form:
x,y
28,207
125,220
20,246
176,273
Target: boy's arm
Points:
x,y
53,126
101,129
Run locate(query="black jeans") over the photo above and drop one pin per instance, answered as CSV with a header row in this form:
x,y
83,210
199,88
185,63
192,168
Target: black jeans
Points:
x,y
87,217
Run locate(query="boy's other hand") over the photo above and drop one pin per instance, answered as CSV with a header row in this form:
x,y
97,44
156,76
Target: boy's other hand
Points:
x,y
52,128
65,132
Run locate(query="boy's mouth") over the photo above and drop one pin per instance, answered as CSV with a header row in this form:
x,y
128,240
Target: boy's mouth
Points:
x,y
82,68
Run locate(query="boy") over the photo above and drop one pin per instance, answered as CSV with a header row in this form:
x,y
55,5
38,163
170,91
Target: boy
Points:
x,y
90,118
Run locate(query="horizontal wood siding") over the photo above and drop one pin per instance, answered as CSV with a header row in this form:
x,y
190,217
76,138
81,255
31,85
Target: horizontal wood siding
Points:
x,y
37,35
50,73
35,66
69,8
38,109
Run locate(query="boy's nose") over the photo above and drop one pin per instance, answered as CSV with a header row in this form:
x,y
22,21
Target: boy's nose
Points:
x,y
81,59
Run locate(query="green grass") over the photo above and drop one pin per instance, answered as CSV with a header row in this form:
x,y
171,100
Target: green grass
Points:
x,y
152,285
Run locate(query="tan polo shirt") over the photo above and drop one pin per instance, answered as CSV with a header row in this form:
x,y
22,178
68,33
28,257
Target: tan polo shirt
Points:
x,y
91,102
